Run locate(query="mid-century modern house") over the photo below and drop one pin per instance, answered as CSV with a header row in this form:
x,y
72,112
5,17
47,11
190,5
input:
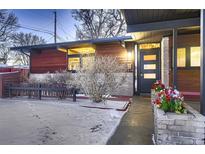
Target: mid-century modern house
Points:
x,y
165,44
71,56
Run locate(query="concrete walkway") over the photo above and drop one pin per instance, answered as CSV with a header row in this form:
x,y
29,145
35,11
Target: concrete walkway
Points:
x,y
136,126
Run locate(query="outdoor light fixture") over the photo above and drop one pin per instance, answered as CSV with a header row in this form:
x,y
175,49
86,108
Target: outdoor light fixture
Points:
x,y
129,55
122,44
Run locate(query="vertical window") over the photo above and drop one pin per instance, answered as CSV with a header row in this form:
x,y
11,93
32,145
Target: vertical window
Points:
x,y
195,56
181,57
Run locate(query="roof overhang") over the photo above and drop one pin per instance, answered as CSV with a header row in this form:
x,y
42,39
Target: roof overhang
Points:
x,y
73,44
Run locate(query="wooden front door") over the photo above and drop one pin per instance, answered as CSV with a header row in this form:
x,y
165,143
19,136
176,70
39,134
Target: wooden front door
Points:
x,y
149,69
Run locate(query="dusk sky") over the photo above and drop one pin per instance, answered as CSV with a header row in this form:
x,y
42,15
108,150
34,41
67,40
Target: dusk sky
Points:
x,y
44,19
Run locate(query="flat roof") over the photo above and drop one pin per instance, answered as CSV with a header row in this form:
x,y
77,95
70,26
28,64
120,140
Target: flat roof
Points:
x,y
71,44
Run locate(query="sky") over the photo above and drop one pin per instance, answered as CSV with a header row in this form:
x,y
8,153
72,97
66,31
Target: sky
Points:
x,y
44,20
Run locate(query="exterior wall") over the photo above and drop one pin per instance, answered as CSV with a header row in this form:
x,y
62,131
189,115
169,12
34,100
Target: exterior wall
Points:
x,y
188,79
113,49
7,78
172,128
47,61
24,72
126,89
50,61
165,61
116,49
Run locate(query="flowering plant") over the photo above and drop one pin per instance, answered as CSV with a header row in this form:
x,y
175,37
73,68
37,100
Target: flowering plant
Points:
x,y
170,100
158,86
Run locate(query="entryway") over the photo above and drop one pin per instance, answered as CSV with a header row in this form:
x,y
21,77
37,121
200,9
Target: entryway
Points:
x,y
148,66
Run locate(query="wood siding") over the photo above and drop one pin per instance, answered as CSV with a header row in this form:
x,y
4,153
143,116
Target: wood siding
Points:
x,y
188,79
112,49
48,61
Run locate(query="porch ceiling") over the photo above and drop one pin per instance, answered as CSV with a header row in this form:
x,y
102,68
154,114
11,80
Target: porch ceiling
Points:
x,y
150,25
141,16
156,36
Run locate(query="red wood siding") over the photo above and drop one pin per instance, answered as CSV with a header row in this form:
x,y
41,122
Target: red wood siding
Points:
x,y
112,49
48,61
188,79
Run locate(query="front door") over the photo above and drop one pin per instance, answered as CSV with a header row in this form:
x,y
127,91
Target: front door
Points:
x,y
149,69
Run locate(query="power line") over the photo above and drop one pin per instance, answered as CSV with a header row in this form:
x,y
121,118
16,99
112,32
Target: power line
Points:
x,y
31,28
63,30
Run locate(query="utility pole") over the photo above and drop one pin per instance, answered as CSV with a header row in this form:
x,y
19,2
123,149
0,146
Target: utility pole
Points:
x,y
55,21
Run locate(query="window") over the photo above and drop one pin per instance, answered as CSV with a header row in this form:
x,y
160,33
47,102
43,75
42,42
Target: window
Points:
x,y
150,57
181,57
149,66
149,46
195,56
149,76
74,63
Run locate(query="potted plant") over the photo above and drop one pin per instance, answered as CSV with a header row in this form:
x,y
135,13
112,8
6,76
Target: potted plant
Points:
x,y
156,88
170,100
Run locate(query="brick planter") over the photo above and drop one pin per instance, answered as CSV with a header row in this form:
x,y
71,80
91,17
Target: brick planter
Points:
x,y
172,128
153,95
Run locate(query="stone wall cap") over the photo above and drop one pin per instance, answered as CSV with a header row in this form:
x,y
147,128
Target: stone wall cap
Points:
x,y
191,115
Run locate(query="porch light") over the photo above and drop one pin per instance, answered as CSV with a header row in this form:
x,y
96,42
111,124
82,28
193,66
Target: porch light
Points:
x,y
129,55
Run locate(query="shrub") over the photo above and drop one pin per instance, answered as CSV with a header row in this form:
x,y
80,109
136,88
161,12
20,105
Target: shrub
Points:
x,y
101,76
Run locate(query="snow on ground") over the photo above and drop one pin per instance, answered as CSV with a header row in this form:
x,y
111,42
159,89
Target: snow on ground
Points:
x,y
55,122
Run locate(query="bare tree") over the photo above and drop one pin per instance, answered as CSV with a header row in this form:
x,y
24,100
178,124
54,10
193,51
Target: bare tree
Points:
x,y
8,24
98,23
100,77
4,54
24,39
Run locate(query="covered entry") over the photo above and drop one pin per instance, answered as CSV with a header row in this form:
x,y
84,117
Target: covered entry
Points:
x,y
167,26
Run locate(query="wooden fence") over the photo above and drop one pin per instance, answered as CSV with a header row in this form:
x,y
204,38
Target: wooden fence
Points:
x,y
60,91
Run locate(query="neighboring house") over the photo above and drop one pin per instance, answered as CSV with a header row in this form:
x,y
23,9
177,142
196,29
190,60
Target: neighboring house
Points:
x,y
152,53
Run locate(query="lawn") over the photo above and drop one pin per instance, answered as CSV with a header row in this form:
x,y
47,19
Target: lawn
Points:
x,y
25,121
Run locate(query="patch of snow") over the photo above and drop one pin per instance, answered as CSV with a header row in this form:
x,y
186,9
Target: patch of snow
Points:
x,y
55,122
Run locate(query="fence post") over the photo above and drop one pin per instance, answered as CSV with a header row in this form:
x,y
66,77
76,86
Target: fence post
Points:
x,y
74,95
9,87
39,91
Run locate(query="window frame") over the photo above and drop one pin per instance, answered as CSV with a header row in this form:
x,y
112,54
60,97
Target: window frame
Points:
x,y
185,58
188,58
